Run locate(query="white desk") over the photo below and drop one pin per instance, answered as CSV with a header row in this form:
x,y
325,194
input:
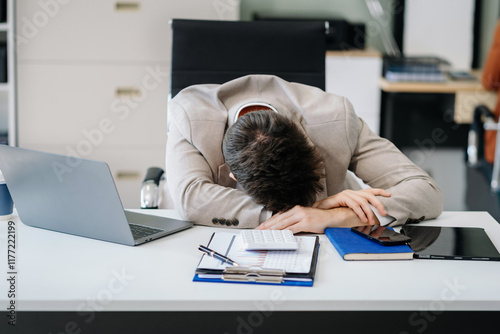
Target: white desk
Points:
x,y
59,272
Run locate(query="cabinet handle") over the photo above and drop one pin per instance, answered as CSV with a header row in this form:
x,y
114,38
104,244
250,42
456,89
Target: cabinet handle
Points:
x,y
127,6
128,92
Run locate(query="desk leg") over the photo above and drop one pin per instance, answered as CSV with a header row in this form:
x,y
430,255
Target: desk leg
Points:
x,y
386,115
421,120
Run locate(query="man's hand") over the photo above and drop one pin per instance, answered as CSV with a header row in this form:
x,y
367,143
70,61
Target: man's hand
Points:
x,y
359,201
310,219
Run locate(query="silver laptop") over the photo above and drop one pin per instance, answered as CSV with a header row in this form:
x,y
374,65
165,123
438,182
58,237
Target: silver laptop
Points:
x,y
76,196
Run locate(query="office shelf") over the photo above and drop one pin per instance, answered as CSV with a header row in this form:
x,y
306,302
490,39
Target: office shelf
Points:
x,y
355,74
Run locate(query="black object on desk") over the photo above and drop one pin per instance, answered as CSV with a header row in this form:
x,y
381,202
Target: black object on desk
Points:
x,y
451,243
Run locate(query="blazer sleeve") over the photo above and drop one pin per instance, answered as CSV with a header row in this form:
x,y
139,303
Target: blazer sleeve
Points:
x,y
377,161
191,181
491,70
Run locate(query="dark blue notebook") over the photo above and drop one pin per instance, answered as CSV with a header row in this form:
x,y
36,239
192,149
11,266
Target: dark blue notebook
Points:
x,y
352,246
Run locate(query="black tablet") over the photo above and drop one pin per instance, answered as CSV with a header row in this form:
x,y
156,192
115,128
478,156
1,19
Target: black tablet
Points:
x,y
451,243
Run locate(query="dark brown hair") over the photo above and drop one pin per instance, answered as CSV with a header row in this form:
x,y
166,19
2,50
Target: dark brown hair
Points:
x,y
273,160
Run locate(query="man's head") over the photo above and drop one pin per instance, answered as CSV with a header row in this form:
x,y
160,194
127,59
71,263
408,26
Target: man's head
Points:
x,y
273,160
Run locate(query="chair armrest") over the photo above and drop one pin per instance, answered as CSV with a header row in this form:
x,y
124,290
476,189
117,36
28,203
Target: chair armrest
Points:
x,y
150,190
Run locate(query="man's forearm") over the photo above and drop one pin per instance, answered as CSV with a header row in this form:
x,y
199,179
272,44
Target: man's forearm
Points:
x,y
314,220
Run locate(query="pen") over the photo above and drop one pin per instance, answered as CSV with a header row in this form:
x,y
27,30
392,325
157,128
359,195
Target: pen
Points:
x,y
216,255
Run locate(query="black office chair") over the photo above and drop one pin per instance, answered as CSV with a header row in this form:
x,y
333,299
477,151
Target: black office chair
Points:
x,y
483,186
219,51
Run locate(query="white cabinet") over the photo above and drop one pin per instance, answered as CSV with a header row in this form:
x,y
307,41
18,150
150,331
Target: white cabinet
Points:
x,y
8,89
94,79
79,99
107,30
355,74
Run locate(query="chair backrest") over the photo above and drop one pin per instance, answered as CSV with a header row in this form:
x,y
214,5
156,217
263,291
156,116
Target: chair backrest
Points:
x,y
218,51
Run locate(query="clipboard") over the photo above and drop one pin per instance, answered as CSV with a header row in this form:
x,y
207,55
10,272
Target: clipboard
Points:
x,y
277,267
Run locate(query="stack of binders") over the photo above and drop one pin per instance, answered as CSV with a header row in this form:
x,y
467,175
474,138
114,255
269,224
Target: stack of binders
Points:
x,y
415,69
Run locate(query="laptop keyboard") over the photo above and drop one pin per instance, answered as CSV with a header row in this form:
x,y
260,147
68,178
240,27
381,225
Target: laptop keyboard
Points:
x,y
141,231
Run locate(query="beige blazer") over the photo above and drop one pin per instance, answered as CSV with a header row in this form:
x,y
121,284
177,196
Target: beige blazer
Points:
x,y
198,179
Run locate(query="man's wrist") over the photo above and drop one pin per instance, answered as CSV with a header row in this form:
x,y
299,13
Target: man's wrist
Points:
x,y
344,217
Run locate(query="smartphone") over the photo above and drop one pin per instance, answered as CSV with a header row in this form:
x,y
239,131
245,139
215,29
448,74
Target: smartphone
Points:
x,y
383,235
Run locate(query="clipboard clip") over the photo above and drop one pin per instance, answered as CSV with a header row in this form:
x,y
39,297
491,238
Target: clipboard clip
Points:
x,y
253,274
